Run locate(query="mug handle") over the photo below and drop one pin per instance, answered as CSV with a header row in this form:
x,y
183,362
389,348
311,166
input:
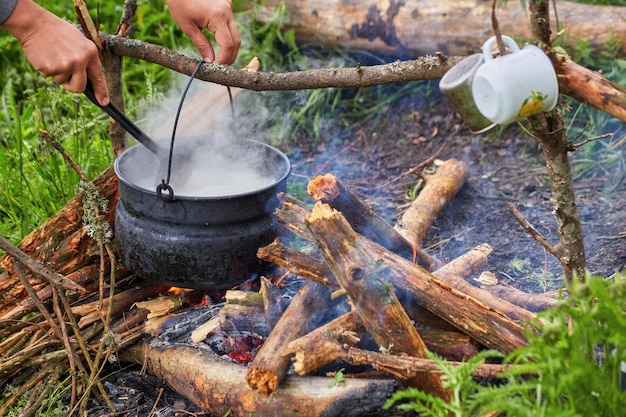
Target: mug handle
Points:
x,y
489,43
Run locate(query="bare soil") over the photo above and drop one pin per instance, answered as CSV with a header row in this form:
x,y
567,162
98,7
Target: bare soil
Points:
x,y
504,166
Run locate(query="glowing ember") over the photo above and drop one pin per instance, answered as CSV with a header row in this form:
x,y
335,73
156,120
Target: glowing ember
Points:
x,y
241,347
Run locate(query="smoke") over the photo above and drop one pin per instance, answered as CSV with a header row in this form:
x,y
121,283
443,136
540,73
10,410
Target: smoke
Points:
x,y
212,156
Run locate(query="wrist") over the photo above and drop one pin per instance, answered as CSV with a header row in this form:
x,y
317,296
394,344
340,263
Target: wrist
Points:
x,y
25,18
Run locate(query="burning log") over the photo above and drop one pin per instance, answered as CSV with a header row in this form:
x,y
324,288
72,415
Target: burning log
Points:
x,y
371,294
219,386
364,220
440,188
406,366
272,307
268,368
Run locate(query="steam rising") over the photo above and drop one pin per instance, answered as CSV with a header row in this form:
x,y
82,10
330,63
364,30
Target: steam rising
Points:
x,y
211,157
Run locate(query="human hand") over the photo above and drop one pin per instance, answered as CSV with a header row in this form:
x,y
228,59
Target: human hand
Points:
x,y
215,15
57,49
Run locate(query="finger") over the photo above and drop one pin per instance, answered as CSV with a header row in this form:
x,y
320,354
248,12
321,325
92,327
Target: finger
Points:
x,y
94,73
202,44
229,41
76,82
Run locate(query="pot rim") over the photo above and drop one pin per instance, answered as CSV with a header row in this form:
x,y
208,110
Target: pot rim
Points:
x,y
153,192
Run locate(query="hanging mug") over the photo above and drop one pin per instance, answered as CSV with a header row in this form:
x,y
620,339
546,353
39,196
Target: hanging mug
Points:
x,y
456,85
516,85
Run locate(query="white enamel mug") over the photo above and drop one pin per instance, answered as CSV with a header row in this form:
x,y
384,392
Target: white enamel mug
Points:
x,y
516,85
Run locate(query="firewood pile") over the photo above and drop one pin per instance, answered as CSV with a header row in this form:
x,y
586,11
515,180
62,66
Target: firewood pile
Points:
x,y
365,295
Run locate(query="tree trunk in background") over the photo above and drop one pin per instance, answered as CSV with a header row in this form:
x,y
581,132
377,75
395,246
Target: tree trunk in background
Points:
x,y
454,27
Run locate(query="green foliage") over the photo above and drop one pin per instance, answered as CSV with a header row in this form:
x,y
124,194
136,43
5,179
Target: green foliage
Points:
x,y
338,379
571,368
457,379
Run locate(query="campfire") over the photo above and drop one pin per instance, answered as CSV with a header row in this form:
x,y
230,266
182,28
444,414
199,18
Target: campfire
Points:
x,y
348,292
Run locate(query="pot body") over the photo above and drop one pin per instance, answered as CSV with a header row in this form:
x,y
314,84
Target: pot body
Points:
x,y
196,242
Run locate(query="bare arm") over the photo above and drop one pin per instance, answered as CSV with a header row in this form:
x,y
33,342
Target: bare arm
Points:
x,y
56,48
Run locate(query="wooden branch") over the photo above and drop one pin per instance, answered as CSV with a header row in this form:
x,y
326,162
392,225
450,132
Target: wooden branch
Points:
x,y
440,188
590,87
455,272
330,190
407,365
548,129
531,302
37,268
319,347
370,292
219,386
268,369
423,68
91,312
301,264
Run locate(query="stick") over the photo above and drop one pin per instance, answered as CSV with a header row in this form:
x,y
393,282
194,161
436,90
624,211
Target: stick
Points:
x,y
268,368
440,188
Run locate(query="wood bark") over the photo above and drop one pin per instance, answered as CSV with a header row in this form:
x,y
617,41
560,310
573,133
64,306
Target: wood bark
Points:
x,y
60,243
268,369
440,188
549,131
369,291
330,190
590,87
219,386
412,27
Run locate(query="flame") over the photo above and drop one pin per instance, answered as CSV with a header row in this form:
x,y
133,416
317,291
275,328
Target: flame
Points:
x,y
189,297
177,290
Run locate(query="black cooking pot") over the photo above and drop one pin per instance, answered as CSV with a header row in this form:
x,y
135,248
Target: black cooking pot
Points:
x,y
197,241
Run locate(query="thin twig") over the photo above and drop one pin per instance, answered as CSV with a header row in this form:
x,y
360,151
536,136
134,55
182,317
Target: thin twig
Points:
x,y
532,230
496,29
57,145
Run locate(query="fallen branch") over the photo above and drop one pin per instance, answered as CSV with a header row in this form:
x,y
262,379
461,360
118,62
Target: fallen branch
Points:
x,y
440,188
